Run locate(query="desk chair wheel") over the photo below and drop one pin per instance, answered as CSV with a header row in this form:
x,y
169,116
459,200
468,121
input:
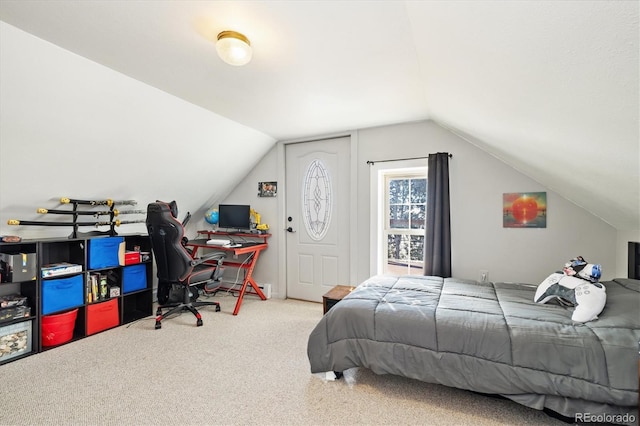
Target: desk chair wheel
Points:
x,y
217,308
199,322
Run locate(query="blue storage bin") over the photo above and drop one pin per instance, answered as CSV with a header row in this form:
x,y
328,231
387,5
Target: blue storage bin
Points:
x,y
134,278
103,252
62,293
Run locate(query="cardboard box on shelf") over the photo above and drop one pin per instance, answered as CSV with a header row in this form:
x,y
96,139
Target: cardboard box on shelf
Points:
x,y
57,269
131,258
18,267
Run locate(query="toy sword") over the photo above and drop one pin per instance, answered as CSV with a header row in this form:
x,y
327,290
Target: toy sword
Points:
x,y
108,202
115,212
96,224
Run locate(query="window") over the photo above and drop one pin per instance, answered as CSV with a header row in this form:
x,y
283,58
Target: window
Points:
x,y
405,208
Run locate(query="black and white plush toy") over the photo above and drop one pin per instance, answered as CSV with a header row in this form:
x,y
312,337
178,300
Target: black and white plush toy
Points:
x,y
577,285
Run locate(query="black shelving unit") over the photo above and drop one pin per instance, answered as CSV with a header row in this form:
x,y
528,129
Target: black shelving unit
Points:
x,y
93,316
22,329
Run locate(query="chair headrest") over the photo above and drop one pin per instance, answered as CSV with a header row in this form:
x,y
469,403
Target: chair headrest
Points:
x,y
173,207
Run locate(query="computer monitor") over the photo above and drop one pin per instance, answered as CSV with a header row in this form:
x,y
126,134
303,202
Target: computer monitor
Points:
x,y
234,216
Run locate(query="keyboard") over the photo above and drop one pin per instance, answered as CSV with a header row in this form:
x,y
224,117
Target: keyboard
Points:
x,y
250,243
219,242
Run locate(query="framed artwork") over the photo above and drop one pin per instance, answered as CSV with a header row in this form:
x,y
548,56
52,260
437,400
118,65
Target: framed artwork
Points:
x,y
267,189
524,210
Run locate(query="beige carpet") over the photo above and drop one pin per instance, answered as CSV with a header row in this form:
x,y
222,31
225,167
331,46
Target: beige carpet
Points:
x,y
247,369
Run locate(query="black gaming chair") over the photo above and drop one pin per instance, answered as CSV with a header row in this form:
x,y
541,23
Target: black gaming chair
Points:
x,y
180,277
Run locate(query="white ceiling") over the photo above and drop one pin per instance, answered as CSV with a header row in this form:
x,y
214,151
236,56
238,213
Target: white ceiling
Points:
x,y
550,87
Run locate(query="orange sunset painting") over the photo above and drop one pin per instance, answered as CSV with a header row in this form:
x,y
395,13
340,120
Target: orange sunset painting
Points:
x,y
524,210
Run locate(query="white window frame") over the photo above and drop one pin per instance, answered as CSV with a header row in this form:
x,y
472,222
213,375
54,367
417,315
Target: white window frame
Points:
x,y
387,229
379,209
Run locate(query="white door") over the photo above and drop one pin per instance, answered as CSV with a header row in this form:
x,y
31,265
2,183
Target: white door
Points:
x,y
317,210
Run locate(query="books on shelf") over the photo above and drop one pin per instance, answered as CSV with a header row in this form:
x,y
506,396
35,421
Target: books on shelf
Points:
x,y
97,288
62,268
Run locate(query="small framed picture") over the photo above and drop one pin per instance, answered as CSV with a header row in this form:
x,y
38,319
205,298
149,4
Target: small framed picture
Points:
x,y
267,189
524,210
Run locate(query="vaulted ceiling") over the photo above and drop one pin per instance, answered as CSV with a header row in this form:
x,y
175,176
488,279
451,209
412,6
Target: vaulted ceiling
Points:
x,y
549,87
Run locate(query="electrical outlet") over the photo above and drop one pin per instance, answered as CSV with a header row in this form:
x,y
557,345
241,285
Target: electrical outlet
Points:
x,y
267,290
484,276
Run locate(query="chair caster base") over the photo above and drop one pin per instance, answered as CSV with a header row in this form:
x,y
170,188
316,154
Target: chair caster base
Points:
x,y
182,307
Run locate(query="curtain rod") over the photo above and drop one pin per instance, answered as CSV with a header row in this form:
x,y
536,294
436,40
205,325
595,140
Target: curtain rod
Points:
x,y
401,159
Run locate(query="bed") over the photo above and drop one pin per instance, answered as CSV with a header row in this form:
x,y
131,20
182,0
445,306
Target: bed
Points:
x,y
489,338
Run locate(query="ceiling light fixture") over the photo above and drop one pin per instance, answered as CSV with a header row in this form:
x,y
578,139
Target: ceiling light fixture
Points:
x,y
234,48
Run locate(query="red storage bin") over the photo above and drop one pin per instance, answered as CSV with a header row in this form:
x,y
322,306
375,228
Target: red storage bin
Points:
x,y
58,329
102,316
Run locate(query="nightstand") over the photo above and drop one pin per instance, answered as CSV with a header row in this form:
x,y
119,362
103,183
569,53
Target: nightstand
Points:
x,y
335,295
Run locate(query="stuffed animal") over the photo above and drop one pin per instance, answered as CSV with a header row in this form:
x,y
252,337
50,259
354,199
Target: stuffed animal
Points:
x,y
584,270
577,285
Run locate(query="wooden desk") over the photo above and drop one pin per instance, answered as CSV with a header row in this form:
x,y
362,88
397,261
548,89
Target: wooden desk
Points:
x,y
251,249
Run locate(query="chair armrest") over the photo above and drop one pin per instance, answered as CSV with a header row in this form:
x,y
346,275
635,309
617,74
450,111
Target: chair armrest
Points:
x,y
217,255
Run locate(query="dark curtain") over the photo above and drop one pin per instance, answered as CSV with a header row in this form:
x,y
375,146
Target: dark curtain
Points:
x,y
437,247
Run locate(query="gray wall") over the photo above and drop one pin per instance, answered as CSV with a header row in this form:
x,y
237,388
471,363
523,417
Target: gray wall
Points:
x,y
73,128
246,192
479,241
477,184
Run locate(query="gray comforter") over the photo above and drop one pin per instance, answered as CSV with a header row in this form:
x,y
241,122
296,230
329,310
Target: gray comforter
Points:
x,y
489,338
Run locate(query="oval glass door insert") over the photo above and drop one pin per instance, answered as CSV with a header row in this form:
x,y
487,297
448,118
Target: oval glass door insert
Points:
x,y
316,200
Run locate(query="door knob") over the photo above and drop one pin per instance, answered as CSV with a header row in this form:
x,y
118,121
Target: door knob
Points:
x,y
290,229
